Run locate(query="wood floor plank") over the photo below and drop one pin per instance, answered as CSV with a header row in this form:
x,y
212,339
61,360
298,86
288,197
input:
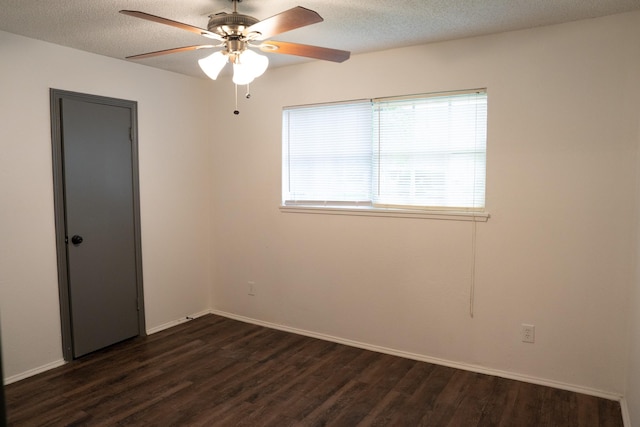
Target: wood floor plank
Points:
x,y
386,371
557,407
527,410
448,400
474,401
384,411
414,378
215,371
363,401
423,399
343,400
587,409
610,413
500,404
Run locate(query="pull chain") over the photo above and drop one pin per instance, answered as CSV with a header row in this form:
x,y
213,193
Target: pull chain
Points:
x,y
236,111
247,95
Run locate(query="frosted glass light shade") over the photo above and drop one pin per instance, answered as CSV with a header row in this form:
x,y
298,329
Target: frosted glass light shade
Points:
x,y
249,66
242,74
213,64
257,63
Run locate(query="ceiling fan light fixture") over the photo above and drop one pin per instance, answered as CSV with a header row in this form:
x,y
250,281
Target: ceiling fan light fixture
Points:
x,y
242,74
247,66
213,64
237,33
257,63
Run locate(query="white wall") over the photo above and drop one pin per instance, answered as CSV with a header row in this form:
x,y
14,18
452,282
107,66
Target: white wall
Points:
x,y
174,182
633,384
557,251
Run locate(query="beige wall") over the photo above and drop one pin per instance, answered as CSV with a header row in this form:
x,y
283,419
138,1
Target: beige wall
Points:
x,y
632,394
174,183
557,251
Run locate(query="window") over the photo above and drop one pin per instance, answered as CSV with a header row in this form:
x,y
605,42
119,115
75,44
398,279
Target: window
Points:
x,y
415,152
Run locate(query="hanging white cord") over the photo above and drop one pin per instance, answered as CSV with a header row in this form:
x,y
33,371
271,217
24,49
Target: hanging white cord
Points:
x,y
236,111
472,286
473,266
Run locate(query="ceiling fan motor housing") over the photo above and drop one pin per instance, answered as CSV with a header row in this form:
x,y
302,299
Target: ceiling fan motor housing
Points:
x,y
230,24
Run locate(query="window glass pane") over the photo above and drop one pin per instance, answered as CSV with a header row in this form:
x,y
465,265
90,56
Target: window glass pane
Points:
x,y
430,151
425,151
327,153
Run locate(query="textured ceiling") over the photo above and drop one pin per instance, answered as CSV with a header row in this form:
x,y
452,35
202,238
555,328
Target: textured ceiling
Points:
x,y
355,25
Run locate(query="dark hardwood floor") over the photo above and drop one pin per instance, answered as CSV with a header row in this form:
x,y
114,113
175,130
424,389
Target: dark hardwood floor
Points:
x,y
214,371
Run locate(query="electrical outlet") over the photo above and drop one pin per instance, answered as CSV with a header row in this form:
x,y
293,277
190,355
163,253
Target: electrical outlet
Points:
x,y
528,333
251,288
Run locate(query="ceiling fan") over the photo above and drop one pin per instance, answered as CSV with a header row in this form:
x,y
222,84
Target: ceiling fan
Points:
x,y
237,34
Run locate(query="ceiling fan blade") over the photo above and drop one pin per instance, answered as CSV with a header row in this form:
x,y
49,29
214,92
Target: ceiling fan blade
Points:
x,y
168,51
308,51
286,21
176,24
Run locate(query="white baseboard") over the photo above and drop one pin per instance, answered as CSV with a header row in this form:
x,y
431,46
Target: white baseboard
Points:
x,y
34,371
177,322
423,358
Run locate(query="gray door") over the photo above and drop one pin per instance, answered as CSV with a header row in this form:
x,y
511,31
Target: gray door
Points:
x,y
100,222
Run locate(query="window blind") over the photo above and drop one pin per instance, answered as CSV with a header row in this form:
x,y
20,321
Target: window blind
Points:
x,y
430,151
423,151
327,153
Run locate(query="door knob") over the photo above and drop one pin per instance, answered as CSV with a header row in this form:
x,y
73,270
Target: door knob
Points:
x,y
76,240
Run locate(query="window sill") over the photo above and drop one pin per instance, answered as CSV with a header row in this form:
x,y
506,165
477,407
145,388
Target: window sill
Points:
x,y
393,213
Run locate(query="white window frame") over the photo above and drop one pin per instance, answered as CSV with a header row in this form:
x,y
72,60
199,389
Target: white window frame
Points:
x,y
370,206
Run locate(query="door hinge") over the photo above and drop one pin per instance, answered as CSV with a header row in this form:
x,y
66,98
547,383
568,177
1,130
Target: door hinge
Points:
x,y
131,134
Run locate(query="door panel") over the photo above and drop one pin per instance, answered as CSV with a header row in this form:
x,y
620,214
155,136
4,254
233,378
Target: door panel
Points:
x,y
99,209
